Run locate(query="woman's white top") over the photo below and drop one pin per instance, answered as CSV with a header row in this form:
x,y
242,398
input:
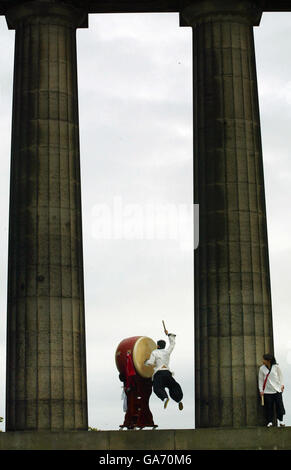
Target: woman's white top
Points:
x,y
274,381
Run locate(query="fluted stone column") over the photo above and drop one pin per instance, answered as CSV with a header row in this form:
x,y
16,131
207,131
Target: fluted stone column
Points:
x,y
46,363
233,319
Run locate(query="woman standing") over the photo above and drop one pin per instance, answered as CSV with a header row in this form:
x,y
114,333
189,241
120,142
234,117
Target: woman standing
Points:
x,y
271,388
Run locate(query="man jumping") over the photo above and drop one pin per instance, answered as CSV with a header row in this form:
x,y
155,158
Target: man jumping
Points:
x,y
162,376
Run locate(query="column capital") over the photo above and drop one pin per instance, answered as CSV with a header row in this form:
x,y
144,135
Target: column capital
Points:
x,y
199,11
66,11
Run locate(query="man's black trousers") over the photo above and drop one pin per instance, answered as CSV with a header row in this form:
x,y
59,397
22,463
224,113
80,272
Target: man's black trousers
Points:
x,y
270,400
164,379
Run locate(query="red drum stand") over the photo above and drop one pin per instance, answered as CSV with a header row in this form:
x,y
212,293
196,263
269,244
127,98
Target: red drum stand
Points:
x,y
138,414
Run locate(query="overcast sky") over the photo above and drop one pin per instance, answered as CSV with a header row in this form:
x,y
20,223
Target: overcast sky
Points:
x,y
135,97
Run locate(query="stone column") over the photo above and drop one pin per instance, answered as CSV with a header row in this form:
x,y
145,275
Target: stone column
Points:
x,y
233,319
46,363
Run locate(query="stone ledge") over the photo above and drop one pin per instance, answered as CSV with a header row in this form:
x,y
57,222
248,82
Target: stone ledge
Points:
x,y
256,438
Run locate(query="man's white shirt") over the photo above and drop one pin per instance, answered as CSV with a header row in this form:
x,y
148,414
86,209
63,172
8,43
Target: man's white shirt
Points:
x,y
160,358
274,381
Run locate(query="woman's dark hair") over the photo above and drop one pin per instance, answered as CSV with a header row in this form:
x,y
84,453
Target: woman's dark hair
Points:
x,y
270,357
161,343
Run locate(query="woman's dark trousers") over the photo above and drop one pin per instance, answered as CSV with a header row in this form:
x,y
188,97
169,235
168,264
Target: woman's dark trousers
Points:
x,y
272,400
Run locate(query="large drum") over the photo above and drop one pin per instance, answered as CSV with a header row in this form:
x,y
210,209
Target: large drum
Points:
x,y
140,348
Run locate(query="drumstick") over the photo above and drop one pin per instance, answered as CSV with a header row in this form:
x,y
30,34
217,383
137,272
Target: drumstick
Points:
x,y
164,326
262,400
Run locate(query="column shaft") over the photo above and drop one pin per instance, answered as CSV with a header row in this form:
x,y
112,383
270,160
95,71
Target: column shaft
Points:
x,y
46,361
233,320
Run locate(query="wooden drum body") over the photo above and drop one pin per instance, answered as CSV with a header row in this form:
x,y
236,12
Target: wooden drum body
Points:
x,y
140,348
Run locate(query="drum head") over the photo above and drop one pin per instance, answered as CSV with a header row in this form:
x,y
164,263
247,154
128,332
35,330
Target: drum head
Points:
x,y
142,351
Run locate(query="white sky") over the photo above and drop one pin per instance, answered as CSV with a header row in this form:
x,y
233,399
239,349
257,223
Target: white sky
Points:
x,y
135,97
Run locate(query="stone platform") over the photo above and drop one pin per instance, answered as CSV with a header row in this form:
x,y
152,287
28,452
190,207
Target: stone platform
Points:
x,y
256,438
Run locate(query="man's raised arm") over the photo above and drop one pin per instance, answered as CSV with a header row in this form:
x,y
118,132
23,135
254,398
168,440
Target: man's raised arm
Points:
x,y
172,340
